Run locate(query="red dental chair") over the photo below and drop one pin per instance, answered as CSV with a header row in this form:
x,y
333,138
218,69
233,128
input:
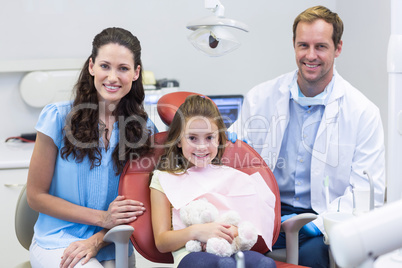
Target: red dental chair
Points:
x,y
134,184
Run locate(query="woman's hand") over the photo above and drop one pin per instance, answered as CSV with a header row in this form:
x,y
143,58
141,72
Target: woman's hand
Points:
x,y
121,211
82,250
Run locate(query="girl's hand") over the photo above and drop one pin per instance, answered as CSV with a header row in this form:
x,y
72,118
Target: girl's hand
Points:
x,y
209,230
80,250
234,230
121,211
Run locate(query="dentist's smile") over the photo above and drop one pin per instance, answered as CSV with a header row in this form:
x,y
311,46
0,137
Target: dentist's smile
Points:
x,y
311,65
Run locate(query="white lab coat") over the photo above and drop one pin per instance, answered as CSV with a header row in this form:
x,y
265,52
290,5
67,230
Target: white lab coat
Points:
x,y
350,140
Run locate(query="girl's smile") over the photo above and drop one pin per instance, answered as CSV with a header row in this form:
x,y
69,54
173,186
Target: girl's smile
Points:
x,y
199,141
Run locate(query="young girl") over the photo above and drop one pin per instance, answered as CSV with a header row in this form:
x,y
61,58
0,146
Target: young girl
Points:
x,y
191,169
80,151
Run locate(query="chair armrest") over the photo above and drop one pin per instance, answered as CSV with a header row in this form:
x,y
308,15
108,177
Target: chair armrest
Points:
x,y
291,227
120,236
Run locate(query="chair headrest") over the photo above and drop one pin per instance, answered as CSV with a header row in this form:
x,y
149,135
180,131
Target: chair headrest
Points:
x,y
169,103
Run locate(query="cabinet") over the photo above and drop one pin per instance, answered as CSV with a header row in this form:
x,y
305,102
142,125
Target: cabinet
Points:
x,y
14,163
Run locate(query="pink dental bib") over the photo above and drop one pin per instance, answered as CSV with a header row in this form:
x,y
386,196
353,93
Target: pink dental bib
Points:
x,y
227,189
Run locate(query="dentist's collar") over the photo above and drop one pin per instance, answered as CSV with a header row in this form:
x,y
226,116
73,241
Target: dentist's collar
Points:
x,y
320,99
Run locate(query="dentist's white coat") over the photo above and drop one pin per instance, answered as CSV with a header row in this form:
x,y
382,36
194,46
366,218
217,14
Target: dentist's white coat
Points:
x,y
350,140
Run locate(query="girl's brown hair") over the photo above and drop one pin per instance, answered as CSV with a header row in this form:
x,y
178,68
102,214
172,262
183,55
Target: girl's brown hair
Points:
x,y
173,160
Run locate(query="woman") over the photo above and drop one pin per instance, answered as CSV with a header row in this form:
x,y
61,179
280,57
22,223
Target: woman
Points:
x,y
80,151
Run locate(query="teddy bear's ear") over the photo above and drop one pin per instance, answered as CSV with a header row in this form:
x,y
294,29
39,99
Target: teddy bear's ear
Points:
x,y
209,215
231,217
201,211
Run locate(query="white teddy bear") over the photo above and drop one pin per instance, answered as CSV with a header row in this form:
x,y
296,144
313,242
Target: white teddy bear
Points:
x,y
201,211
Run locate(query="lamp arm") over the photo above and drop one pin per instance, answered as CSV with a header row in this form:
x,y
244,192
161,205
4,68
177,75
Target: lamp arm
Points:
x,y
216,6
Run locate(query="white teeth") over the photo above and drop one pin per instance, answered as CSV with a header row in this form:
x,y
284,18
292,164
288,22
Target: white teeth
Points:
x,y
311,66
112,87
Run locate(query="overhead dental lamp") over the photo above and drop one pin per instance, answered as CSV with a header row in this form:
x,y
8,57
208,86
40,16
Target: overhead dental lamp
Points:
x,y
211,34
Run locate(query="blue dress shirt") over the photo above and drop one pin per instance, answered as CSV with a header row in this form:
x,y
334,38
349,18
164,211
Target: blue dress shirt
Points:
x,y
293,167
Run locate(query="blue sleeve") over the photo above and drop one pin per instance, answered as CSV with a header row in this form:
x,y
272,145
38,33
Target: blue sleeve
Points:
x,y
51,123
151,126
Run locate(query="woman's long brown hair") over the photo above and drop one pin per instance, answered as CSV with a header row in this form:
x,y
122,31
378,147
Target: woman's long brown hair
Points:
x,y
82,131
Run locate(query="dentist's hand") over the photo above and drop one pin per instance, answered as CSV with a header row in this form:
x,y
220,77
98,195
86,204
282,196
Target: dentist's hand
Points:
x,y
310,229
232,136
285,217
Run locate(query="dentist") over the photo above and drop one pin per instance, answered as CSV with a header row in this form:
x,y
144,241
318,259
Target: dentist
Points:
x,y
310,124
